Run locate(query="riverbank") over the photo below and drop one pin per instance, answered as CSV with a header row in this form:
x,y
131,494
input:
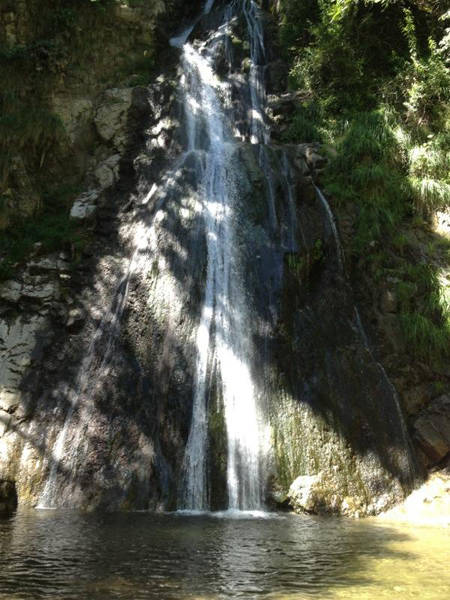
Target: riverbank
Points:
x,y
429,505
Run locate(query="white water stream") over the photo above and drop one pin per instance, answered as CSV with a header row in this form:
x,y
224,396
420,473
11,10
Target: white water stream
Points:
x,y
222,341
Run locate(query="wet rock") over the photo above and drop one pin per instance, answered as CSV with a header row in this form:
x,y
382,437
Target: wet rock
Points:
x,y
8,497
432,430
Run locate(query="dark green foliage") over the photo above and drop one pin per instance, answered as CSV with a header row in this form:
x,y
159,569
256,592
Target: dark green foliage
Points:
x,y
368,171
305,124
52,228
379,72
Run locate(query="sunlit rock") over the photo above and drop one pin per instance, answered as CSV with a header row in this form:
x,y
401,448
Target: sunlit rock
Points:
x,y
84,206
111,117
306,494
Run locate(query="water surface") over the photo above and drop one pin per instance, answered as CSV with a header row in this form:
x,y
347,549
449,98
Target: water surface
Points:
x,y
67,555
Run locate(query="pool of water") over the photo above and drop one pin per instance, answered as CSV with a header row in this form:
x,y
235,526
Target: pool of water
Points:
x,y
67,555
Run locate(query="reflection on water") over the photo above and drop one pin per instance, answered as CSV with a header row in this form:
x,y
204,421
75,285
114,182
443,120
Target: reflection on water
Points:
x,y
66,555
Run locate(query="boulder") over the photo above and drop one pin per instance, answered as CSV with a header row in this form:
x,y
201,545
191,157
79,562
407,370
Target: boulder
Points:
x,y
432,430
427,505
49,264
306,494
9,399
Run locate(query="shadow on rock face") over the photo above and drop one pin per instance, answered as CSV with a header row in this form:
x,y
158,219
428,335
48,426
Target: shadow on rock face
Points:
x,y
8,498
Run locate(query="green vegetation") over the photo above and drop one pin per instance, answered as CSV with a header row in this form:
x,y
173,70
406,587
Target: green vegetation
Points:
x,y
51,48
51,228
377,75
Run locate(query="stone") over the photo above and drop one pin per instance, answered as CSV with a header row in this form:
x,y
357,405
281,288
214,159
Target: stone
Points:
x,y
305,493
84,207
432,430
427,505
10,291
9,399
53,263
111,117
41,290
314,160
107,172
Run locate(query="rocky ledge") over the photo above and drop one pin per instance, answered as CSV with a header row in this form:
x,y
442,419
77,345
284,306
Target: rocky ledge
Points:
x,y
428,505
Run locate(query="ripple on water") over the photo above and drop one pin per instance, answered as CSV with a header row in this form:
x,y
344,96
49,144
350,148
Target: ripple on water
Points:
x,y
67,556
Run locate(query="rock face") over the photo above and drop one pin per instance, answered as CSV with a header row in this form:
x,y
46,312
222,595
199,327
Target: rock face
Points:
x,y
84,115
111,117
427,505
432,430
101,418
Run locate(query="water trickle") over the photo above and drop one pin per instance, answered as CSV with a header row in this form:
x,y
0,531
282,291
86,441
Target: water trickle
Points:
x,y
358,322
94,368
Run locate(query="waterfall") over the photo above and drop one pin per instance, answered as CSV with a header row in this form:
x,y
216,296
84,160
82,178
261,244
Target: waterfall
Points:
x,y
218,310
223,340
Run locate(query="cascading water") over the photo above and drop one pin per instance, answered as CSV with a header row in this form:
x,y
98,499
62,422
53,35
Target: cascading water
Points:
x,y
222,341
228,311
